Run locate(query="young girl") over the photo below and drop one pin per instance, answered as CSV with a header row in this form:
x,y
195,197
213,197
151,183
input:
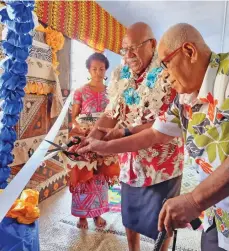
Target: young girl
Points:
x,y
90,199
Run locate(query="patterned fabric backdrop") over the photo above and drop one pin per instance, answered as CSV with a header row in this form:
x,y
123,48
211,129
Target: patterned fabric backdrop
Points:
x,y
36,120
50,176
83,20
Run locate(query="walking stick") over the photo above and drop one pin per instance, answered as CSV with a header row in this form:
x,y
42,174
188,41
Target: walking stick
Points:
x,y
162,235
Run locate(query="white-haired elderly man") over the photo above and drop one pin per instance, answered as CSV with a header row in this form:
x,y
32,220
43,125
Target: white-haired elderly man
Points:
x,y
137,95
200,114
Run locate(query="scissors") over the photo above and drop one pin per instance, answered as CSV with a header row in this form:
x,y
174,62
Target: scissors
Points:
x,y
63,149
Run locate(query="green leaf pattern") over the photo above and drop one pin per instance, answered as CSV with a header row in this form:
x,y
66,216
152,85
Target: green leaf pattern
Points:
x,y
197,119
215,140
224,64
214,61
221,218
209,139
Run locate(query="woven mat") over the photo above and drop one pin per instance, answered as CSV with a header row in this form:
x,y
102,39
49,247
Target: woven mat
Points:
x,y
64,235
59,231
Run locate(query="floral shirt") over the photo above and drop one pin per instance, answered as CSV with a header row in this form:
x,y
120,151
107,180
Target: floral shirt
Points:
x,y
203,119
136,101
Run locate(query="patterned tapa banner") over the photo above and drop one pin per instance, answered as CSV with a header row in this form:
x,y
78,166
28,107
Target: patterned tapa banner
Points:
x,y
83,20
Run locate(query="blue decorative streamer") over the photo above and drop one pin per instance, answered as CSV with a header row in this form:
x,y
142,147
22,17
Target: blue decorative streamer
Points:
x,y
17,17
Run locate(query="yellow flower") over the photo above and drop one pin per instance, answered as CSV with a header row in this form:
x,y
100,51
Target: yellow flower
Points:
x,y
25,209
46,193
30,196
55,40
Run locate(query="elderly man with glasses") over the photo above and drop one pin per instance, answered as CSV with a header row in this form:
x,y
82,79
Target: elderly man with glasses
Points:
x,y
199,113
137,95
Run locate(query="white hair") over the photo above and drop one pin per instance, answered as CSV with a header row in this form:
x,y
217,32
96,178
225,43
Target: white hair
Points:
x,y
180,33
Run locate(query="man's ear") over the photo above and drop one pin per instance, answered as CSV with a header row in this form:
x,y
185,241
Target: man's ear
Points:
x,y
189,50
153,43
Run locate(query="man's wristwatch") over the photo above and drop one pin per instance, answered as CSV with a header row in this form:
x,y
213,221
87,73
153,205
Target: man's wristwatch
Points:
x,y
127,132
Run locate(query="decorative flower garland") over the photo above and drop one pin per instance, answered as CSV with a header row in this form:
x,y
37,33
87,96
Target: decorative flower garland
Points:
x,y
131,95
17,16
142,99
38,88
55,40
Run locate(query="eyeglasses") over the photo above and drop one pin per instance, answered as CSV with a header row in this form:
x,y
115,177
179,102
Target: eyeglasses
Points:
x,y
168,58
124,51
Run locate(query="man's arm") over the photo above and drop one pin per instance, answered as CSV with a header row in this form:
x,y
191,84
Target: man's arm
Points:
x,y
140,128
164,129
179,211
141,140
104,121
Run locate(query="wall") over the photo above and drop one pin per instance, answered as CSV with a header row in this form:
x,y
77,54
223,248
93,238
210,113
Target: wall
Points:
x,y
79,54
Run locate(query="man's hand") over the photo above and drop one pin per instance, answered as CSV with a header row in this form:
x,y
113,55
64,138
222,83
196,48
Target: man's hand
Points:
x,y
76,131
96,134
177,213
93,145
111,133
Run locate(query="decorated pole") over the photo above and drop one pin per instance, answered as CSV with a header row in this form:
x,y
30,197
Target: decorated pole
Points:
x,y
17,16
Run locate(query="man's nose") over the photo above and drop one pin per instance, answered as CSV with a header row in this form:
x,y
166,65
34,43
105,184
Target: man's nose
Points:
x,y
129,54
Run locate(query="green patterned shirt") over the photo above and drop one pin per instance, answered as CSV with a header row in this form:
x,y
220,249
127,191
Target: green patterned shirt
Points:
x,y
203,120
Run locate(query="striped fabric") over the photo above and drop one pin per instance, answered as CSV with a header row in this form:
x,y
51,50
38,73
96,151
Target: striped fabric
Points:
x,y
83,20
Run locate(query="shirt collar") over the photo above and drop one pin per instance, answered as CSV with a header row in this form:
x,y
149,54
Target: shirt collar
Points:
x,y
207,84
210,76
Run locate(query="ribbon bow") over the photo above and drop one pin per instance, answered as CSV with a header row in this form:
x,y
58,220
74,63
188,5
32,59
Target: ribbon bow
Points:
x,y
25,210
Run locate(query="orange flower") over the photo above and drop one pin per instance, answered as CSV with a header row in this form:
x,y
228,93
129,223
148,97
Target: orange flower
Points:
x,y
30,196
219,212
25,209
212,105
219,116
188,109
222,227
56,186
46,193
207,168
55,40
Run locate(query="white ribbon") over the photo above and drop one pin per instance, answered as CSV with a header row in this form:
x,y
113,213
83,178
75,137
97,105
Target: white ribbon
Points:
x,y
15,187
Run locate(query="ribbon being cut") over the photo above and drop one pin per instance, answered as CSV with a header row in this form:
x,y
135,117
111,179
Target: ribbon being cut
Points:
x,y
82,168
